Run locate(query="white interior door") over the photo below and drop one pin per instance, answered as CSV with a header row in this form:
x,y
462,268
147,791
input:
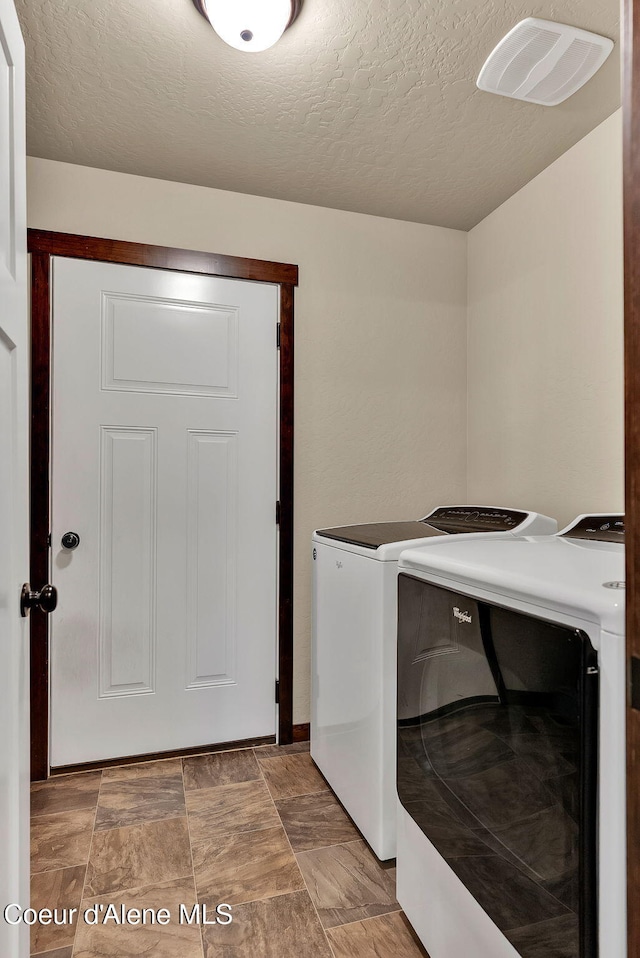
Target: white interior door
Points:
x,y
14,483
164,463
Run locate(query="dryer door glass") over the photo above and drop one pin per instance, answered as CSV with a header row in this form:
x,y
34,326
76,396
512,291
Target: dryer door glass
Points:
x,y
497,749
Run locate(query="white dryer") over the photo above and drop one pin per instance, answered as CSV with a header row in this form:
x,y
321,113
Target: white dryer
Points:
x,y
354,651
511,744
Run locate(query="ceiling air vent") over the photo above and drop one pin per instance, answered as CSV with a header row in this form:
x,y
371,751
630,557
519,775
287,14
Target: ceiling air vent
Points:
x,y
543,62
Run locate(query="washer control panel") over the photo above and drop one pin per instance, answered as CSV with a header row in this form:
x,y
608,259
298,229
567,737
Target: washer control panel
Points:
x,y
475,518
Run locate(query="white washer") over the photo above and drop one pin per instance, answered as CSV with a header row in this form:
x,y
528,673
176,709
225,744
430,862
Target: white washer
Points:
x,y
354,651
511,744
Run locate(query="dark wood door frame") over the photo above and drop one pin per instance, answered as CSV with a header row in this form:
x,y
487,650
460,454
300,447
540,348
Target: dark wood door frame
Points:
x,y
631,111
43,245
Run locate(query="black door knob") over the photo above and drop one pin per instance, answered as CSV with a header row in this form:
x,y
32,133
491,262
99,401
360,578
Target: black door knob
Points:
x,y
46,599
70,540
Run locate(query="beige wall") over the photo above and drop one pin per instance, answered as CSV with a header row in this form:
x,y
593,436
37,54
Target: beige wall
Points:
x,y
545,348
380,347
389,420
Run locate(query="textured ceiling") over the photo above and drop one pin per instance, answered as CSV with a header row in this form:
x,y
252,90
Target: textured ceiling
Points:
x,y
366,105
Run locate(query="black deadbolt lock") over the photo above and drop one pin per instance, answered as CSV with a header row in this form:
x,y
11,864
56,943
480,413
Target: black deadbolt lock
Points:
x,y
70,540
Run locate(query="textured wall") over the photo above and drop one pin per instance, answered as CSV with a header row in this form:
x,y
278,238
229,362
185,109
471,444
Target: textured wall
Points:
x,y
545,337
380,361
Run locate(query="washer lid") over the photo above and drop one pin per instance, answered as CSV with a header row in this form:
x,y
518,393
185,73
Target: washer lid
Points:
x,y
372,535
443,521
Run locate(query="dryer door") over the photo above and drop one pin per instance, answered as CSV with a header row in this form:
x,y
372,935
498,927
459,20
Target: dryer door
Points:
x,y
497,749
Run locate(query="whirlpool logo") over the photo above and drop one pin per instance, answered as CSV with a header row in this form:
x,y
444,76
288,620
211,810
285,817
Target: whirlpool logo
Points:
x,y
461,616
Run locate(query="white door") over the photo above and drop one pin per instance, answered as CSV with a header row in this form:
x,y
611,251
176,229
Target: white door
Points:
x,y
164,464
14,483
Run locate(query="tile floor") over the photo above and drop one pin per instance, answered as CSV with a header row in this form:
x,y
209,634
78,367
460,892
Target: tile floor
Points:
x,y
258,829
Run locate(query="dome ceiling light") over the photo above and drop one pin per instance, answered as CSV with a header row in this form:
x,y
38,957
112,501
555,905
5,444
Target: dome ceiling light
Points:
x,y
249,25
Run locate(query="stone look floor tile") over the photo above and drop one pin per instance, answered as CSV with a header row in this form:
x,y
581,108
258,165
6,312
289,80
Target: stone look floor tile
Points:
x,y
241,855
313,821
56,889
246,867
217,812
65,793
292,775
61,840
347,883
58,953
134,801
174,940
388,936
220,768
122,773
282,927
123,858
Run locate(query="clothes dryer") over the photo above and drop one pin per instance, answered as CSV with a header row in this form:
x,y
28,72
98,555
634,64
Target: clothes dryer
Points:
x,y
354,651
511,744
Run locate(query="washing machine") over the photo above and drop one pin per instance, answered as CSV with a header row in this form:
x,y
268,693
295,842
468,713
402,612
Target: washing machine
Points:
x,y
511,744
354,651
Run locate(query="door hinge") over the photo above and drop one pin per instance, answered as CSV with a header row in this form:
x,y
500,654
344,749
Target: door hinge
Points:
x,y
635,682
277,692
278,335
49,541
278,512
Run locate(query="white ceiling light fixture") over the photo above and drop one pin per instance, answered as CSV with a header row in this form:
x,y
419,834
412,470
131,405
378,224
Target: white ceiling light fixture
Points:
x,y
249,25
543,62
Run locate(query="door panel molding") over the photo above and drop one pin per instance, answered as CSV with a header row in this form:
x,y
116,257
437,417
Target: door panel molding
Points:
x,y
204,327
43,245
128,460
211,591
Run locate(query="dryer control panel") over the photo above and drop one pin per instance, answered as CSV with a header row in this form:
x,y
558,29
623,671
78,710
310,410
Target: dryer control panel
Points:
x,y
604,528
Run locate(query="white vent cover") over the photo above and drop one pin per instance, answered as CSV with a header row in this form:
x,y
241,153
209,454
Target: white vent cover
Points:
x,y
543,62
